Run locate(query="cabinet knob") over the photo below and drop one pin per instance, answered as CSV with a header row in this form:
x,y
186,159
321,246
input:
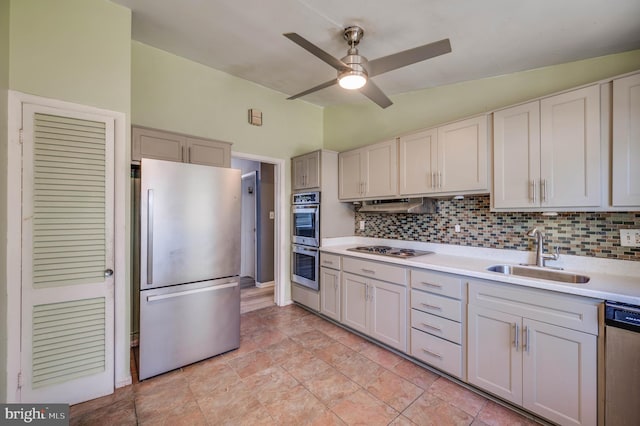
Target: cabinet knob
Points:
x,y
108,273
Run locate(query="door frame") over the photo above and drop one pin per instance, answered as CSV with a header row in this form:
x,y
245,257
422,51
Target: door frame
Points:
x,y
281,246
14,235
249,175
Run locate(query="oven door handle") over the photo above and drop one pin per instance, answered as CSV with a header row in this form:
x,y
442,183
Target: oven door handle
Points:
x,y
304,249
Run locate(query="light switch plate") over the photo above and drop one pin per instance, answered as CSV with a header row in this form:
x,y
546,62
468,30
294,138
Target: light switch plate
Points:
x,y
362,225
630,237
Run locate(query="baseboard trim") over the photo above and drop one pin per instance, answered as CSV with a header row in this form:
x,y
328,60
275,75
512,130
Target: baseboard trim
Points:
x,y
265,285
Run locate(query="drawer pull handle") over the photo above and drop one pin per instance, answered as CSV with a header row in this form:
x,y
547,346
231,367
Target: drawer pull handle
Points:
x,y
424,324
368,271
327,262
431,353
426,305
431,285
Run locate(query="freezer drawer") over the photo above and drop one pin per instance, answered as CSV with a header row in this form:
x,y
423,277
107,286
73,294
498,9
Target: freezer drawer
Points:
x,y
183,324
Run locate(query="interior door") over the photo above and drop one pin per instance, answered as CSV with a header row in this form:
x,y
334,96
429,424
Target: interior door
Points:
x,y
248,243
67,256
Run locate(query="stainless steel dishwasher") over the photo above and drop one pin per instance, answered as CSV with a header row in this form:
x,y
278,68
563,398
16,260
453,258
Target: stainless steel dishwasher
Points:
x,y
622,364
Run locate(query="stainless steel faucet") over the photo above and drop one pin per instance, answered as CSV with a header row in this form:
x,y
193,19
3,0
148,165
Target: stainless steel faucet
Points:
x,y
541,256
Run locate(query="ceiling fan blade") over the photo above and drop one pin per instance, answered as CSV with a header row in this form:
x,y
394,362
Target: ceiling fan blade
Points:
x,y
408,57
373,92
315,50
314,89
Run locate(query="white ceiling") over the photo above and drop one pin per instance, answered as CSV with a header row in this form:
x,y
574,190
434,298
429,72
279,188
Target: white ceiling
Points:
x,y
488,38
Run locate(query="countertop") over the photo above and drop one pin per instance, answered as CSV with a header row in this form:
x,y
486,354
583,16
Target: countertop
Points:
x,y
614,280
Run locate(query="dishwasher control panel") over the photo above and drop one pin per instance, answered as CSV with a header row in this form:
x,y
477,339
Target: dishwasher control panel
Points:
x,y
622,315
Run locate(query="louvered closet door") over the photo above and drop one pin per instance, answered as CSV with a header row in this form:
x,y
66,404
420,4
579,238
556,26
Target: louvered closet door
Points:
x,y
67,256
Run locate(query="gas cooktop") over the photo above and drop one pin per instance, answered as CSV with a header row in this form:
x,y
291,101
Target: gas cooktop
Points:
x,y
389,251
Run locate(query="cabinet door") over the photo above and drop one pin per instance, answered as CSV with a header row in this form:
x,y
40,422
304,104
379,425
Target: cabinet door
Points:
x,y
208,152
516,156
330,293
354,302
381,169
462,156
389,314
418,162
570,149
494,357
156,144
306,171
350,183
626,141
560,373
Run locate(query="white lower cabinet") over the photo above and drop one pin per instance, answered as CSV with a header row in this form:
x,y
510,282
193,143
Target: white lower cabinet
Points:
x,y
548,369
330,277
374,307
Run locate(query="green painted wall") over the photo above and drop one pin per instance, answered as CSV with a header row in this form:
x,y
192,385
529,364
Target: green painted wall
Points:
x,y
4,87
77,51
173,93
72,50
350,126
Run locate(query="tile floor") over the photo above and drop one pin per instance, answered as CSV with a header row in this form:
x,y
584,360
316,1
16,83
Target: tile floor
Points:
x,y
295,368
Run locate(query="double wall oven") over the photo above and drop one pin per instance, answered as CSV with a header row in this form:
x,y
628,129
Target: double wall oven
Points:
x,y
305,239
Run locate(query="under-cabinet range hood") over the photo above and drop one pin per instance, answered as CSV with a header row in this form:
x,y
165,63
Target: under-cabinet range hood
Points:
x,y
401,205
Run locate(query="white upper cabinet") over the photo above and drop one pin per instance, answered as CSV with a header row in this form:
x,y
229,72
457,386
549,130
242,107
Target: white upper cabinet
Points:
x,y
162,145
547,153
306,171
450,158
462,156
369,172
418,162
626,142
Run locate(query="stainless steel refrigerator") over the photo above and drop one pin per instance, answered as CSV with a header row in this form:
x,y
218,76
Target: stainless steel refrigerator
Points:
x,y
189,264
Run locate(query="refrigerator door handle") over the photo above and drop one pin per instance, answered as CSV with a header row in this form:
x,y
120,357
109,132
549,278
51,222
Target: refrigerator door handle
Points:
x,y
150,236
187,292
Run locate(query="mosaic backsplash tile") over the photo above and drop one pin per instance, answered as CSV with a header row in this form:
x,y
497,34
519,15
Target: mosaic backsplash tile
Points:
x,y
579,233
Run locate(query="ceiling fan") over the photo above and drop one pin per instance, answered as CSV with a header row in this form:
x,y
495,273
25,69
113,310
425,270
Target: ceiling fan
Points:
x,y
355,71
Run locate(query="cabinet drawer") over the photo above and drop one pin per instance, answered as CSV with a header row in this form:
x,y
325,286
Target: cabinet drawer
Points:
x,y
379,271
329,260
437,326
574,312
437,282
437,352
436,305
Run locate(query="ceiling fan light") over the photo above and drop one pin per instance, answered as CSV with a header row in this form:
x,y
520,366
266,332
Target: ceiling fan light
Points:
x,y
352,79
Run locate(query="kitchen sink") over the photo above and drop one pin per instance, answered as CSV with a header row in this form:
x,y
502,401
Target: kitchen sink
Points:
x,y
544,274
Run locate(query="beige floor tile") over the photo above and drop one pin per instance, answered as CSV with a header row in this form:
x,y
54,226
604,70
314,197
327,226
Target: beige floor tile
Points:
x,y
313,340
305,366
394,390
284,350
496,415
271,384
249,364
331,386
415,374
429,410
454,394
228,404
359,368
121,394
162,399
401,421
335,353
299,407
385,358
202,384
352,341
121,412
183,415
364,409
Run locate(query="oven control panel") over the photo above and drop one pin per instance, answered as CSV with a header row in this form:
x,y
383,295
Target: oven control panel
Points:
x,y
302,198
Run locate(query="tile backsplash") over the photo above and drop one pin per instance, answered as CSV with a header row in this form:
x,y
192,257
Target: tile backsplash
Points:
x,y
593,234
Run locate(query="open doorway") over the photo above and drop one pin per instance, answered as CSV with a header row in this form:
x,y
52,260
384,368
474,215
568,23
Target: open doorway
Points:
x,y
259,265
